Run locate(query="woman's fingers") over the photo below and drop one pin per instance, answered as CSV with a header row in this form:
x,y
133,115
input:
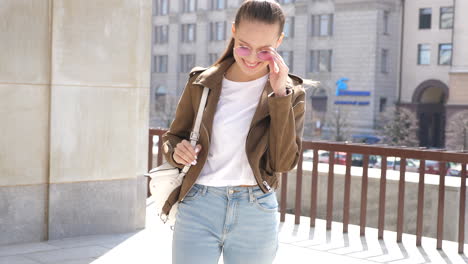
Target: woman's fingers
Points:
x,y
186,153
188,147
281,62
181,158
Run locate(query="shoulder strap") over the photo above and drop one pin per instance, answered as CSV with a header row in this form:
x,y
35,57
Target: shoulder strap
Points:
x,y
194,135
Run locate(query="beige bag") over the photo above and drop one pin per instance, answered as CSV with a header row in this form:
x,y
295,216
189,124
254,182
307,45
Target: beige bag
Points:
x,y
166,178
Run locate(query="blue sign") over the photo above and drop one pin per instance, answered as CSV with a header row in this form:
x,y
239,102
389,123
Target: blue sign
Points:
x,y
341,85
342,89
352,102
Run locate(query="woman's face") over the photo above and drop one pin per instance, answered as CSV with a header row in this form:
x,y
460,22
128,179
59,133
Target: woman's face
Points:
x,y
257,37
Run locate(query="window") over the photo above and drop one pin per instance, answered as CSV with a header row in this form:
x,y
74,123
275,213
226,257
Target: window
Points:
x,y
384,61
161,7
212,57
218,4
446,17
386,15
160,98
286,1
288,58
325,60
160,63
325,25
217,31
424,54
188,33
161,34
383,104
320,61
189,6
322,25
187,62
425,15
289,27
445,54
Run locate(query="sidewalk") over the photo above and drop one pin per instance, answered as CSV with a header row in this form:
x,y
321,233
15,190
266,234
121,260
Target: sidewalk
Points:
x,y
298,244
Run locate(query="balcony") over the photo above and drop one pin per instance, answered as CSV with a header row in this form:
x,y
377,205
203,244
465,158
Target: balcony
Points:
x,y
330,227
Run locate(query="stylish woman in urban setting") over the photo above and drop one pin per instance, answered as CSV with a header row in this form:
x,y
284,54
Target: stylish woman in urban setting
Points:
x,y
251,132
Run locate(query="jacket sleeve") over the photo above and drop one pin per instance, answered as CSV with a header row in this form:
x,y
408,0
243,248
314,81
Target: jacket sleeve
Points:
x,y
180,127
286,130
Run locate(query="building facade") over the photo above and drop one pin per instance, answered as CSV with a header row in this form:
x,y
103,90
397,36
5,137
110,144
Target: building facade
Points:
x,y
434,73
350,44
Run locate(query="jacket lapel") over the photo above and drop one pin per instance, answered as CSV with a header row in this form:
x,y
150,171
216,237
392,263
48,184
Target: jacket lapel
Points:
x,y
213,77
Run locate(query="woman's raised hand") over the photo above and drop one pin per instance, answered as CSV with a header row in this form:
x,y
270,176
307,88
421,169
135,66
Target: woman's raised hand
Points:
x,y
278,72
185,154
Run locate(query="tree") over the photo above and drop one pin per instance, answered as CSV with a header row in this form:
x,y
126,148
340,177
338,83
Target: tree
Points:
x,y
167,112
337,122
457,132
399,127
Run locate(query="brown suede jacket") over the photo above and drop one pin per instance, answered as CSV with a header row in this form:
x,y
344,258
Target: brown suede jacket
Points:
x,y
273,142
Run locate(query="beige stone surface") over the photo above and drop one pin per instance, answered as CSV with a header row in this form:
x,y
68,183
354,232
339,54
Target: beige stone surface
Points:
x,y
98,133
458,88
102,42
23,134
24,38
460,39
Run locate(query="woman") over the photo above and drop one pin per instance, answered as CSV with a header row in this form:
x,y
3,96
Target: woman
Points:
x,y
251,130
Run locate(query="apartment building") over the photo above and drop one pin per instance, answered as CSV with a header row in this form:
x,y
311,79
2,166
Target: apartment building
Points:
x,y
434,76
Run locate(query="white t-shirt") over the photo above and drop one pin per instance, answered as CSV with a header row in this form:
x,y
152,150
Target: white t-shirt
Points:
x,y
227,163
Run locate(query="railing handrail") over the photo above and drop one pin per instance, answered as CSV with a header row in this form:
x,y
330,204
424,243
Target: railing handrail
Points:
x,y
389,151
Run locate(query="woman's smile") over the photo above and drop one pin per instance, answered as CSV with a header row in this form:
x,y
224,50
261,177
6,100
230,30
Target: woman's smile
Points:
x,y
250,65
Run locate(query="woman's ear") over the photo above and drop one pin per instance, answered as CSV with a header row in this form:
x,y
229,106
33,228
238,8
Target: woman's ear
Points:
x,y
233,28
280,40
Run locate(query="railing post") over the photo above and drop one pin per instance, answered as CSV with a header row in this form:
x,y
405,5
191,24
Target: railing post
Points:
x,y
440,210
365,167
347,193
314,187
150,149
331,174
419,220
284,195
461,219
401,199
160,155
298,205
383,187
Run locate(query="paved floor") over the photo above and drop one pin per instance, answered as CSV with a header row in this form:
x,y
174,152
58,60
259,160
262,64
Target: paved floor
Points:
x,y
299,244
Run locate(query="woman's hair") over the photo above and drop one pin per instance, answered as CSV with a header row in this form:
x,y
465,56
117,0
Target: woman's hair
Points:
x,y
266,11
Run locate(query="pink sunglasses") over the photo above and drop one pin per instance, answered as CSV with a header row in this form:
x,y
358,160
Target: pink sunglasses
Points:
x,y
244,51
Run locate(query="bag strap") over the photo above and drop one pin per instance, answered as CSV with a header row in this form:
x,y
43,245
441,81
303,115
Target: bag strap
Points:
x,y
195,134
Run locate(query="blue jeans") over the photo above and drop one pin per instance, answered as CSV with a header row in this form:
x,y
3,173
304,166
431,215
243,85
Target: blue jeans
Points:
x,y
240,222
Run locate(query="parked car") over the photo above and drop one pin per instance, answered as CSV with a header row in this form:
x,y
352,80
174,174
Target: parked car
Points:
x,y
452,168
393,163
357,160
340,157
455,169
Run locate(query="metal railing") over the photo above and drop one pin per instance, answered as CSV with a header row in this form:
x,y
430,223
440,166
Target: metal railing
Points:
x,y
442,157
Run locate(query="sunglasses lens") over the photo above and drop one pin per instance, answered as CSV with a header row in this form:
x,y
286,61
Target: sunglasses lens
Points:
x,y
264,55
242,51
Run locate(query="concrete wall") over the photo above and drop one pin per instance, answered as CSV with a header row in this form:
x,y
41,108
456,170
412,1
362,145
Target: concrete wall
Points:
x,y
452,193
74,87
